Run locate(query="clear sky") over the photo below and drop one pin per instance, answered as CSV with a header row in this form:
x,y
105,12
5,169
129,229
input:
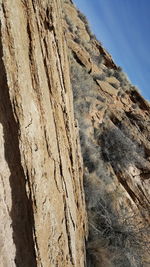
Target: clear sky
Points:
x,y
123,27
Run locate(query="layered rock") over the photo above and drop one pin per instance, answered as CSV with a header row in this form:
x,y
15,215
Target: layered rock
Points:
x,y
42,209
42,212
114,122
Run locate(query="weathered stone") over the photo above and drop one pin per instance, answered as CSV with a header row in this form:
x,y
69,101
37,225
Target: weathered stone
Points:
x,y
42,210
117,175
113,80
81,54
106,87
96,70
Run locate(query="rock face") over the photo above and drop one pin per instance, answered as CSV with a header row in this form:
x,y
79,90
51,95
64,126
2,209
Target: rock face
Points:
x,y
44,45
42,211
114,122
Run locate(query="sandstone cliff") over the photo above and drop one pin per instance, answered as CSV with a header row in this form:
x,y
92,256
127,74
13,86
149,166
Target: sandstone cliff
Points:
x,y
42,212
44,45
114,122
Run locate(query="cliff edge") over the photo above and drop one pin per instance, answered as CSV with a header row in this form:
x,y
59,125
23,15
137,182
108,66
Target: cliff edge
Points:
x,y
114,124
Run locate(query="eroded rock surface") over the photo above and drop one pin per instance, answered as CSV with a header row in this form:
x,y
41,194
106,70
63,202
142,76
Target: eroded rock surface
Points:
x,y
42,209
114,122
42,212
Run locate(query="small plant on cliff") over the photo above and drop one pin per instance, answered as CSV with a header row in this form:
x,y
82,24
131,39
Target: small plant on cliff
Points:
x,y
117,235
82,17
70,23
115,85
119,149
98,59
123,79
100,77
109,72
77,40
82,81
87,27
105,152
85,21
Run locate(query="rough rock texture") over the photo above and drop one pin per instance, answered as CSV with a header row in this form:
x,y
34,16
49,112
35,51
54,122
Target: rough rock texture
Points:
x,y
114,122
42,211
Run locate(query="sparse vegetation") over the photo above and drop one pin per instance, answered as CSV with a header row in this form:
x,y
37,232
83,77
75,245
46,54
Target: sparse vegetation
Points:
x,y
92,36
70,23
118,149
112,236
115,85
109,72
100,77
135,88
77,40
100,98
123,79
121,94
109,233
119,236
82,17
114,239
82,81
98,59
85,21
135,106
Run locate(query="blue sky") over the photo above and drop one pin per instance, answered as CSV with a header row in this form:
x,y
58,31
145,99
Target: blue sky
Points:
x,y
123,27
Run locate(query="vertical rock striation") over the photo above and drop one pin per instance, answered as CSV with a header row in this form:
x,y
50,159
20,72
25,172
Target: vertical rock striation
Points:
x,y
42,208
42,212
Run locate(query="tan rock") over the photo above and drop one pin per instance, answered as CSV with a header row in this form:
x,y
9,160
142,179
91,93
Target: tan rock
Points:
x,y
106,87
96,69
72,13
83,34
42,210
124,187
113,80
125,101
81,54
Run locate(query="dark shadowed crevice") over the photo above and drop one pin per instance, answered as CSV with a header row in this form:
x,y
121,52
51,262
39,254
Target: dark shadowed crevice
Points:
x,y
21,211
137,98
77,59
